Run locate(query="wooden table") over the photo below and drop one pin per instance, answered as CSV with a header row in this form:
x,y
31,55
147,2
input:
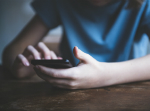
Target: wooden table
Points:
x,y
36,95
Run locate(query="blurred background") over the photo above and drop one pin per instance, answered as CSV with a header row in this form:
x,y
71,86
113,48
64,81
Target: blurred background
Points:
x,y
14,15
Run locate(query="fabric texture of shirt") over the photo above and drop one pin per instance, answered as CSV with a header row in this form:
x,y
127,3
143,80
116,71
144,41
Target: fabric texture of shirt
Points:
x,y
109,33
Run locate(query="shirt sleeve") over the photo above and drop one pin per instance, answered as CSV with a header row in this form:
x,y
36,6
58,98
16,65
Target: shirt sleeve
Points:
x,y
146,17
47,11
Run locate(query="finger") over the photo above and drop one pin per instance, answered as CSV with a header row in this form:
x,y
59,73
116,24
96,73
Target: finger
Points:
x,y
46,52
30,50
64,83
55,81
60,58
70,73
23,60
83,57
53,55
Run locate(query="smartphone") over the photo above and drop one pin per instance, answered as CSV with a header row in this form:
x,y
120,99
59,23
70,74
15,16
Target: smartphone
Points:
x,y
57,64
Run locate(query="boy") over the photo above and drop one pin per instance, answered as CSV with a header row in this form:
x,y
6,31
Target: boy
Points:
x,y
113,35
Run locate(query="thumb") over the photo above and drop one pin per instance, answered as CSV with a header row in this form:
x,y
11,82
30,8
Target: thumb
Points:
x,y
83,57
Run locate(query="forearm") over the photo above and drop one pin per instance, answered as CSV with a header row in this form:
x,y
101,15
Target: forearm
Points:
x,y
30,35
128,71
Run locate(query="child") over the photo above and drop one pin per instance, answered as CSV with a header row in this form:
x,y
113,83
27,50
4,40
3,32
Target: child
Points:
x,y
112,36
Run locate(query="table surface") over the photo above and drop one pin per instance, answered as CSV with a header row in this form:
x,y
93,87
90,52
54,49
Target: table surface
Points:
x,y
36,95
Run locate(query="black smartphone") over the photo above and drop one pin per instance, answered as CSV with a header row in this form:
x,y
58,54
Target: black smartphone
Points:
x,y
57,64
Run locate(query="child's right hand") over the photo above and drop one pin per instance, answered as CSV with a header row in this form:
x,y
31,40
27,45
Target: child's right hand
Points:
x,y
21,67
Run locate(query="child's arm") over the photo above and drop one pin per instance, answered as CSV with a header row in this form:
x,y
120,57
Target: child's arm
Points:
x,y
30,35
129,71
91,73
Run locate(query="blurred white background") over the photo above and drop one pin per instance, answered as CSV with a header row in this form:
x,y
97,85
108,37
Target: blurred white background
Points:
x,y
14,15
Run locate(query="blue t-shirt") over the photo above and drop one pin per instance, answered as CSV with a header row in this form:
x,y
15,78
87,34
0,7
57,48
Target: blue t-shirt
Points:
x,y
109,33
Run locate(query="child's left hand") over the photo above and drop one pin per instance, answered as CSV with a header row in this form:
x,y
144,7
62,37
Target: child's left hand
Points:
x,y
88,74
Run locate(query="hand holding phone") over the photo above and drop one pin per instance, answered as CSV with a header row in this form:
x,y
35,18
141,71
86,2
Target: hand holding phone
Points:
x,y
55,63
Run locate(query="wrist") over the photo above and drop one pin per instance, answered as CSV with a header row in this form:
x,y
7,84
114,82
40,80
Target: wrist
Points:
x,y
103,77
109,73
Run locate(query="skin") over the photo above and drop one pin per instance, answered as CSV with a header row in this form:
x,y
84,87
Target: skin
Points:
x,y
27,46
